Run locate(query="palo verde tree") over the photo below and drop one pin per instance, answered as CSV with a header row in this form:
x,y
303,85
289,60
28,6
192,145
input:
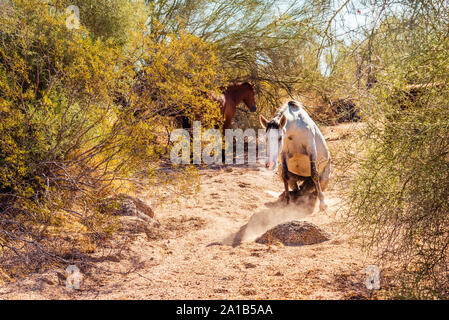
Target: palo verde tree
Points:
x,y
400,192
271,43
66,141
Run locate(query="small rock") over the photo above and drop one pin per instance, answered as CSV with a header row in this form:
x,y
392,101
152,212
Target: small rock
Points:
x,y
221,290
132,206
295,233
249,265
53,277
138,225
132,224
248,292
50,278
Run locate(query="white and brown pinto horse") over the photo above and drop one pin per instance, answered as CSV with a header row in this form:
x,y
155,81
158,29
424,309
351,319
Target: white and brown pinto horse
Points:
x,y
295,142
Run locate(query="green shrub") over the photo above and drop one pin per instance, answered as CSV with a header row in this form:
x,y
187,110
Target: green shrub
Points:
x,y
399,197
65,143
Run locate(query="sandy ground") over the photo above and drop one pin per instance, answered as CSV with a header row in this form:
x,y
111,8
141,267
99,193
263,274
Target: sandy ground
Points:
x,y
186,261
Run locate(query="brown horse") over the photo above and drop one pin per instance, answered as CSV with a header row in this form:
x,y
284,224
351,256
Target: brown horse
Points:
x,y
232,96
228,100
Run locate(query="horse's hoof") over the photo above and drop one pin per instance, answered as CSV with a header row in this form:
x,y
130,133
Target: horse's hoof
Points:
x,y
295,194
323,206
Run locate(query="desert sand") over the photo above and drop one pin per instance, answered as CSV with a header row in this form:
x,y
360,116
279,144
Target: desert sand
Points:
x,y
205,248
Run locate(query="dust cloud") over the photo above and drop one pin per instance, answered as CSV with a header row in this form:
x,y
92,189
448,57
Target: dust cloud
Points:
x,y
276,214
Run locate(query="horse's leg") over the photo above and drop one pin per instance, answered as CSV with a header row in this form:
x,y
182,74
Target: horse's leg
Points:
x,y
324,178
227,123
307,186
186,124
316,180
285,178
307,195
228,115
293,184
311,150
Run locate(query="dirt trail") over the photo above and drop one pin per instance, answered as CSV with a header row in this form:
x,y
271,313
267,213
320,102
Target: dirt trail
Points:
x,y
187,263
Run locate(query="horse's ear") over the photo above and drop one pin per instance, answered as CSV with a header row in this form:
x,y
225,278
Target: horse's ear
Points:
x,y
283,121
249,84
263,121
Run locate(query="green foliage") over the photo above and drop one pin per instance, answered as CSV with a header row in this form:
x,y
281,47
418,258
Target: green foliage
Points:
x,y
66,140
399,199
84,110
111,20
177,76
270,43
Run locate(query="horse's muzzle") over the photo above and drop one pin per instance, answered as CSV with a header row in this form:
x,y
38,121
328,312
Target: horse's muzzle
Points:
x,y
253,108
270,165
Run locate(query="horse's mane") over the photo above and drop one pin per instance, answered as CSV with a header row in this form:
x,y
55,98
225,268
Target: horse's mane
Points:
x,y
235,86
282,109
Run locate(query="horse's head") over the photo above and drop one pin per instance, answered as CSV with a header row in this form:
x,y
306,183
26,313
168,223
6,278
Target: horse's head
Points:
x,y
249,96
275,130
